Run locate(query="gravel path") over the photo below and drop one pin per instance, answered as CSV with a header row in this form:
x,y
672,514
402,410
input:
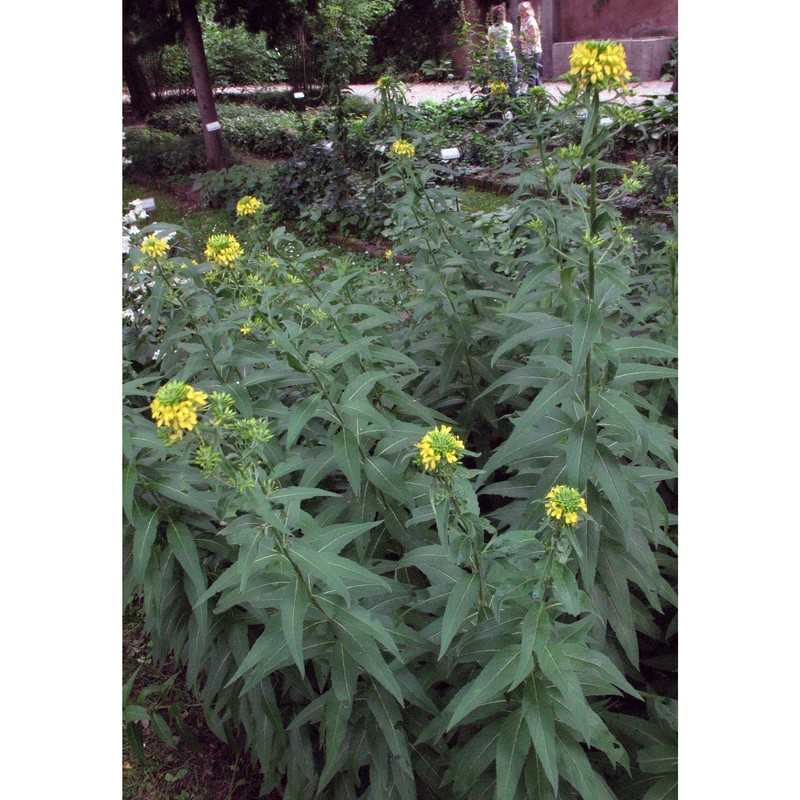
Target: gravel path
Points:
x,y
417,92
437,92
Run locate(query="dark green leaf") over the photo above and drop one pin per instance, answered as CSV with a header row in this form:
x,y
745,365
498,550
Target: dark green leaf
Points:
x,y
536,706
512,748
294,603
459,606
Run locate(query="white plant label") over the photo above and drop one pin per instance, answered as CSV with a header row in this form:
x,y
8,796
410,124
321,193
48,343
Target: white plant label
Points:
x,y
213,126
449,153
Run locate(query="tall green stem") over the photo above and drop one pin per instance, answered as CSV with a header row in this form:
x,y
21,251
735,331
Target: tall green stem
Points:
x,y
594,116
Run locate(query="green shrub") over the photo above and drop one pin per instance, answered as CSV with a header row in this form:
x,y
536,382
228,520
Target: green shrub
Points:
x,y
235,58
264,133
224,188
364,621
156,153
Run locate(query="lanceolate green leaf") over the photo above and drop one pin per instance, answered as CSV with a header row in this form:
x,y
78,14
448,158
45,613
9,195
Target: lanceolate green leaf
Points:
x,y
348,458
145,522
575,767
494,678
387,478
182,543
580,450
664,789
551,395
588,322
609,476
459,606
512,748
365,652
300,416
539,719
294,602
535,633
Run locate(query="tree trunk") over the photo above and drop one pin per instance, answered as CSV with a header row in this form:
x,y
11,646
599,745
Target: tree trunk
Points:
x,y
215,156
462,55
513,18
142,102
549,20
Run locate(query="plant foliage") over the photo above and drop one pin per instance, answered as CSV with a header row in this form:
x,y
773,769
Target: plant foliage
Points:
x,y
367,626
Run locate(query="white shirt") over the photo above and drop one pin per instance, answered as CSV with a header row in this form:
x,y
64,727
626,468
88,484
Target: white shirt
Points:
x,y
530,40
500,38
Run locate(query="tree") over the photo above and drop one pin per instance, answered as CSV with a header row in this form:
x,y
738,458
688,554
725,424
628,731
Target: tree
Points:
x,y
215,155
147,25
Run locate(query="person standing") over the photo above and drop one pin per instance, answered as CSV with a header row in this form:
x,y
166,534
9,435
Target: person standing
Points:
x,y
502,58
530,46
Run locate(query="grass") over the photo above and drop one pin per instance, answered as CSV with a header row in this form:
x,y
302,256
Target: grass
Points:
x,y
200,223
196,765
472,200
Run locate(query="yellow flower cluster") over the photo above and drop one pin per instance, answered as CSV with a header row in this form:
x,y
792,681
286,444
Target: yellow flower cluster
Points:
x,y
388,255
223,248
248,205
175,406
599,64
403,148
439,446
564,501
498,87
153,246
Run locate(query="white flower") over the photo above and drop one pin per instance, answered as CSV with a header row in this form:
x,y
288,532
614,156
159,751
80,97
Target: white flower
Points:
x,y
156,355
127,313
126,244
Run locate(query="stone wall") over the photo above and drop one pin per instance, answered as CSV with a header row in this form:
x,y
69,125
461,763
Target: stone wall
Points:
x,y
615,19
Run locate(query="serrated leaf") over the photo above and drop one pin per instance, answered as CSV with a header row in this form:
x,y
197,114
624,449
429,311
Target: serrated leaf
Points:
x,y
459,606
